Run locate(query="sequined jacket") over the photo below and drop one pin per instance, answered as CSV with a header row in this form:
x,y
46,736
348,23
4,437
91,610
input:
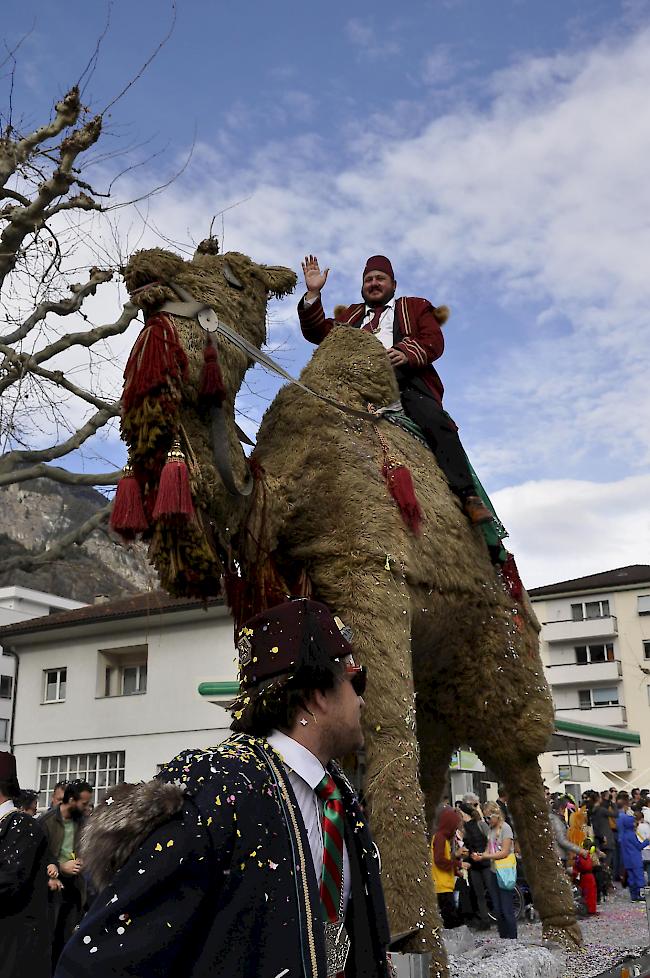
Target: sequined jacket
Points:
x,y
416,332
24,929
226,885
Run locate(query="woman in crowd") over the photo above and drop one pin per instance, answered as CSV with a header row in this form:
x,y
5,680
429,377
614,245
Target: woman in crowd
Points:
x,y
445,865
500,844
475,835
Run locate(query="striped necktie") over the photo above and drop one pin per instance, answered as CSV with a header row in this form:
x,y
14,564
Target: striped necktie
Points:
x,y
372,326
332,878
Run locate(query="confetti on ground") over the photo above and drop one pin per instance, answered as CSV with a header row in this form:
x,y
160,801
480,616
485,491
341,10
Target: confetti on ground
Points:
x,y
619,929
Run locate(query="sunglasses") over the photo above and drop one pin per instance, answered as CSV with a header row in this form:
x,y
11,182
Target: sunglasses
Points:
x,y
358,678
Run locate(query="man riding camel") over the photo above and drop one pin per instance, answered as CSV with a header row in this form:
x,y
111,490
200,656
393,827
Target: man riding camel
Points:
x,y
410,329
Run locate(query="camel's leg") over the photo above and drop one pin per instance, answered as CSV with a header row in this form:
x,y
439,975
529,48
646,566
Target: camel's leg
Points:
x,y
375,602
435,755
511,725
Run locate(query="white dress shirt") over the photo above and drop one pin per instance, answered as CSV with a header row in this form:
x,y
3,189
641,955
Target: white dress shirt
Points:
x,y
305,772
6,807
386,320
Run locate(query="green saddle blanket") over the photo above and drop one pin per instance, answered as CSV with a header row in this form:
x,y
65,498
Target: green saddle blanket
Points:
x,y
494,532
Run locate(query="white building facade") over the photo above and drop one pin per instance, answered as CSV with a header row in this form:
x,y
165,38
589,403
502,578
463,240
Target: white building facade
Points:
x,y
19,604
595,645
110,692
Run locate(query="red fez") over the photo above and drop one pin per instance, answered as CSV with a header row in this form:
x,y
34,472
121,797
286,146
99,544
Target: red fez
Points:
x,y
379,263
7,766
295,634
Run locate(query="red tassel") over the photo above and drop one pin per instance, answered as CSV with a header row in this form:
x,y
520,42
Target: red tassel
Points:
x,y
400,484
127,516
512,579
211,385
157,360
174,494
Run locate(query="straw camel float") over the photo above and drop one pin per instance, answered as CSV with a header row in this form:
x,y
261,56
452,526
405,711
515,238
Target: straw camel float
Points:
x,y
452,658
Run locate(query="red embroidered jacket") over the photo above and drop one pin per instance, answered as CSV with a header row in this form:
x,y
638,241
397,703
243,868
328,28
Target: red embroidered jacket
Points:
x,y
416,331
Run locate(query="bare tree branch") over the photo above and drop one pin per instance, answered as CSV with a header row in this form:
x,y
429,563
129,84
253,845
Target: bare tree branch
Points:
x,y
98,420
56,377
13,154
58,550
56,474
23,220
62,307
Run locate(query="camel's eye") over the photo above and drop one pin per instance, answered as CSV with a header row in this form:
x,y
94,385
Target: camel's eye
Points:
x,y
230,276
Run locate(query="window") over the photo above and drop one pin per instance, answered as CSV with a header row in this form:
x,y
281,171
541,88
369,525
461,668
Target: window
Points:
x,y
589,610
55,685
4,730
594,653
122,671
134,679
605,696
6,687
103,771
584,697
646,649
643,604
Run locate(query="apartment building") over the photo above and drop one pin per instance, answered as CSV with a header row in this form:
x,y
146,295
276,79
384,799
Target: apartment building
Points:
x,y
595,645
19,604
112,691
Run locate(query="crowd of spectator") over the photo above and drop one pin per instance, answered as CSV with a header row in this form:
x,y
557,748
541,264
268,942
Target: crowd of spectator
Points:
x,y
602,839
43,891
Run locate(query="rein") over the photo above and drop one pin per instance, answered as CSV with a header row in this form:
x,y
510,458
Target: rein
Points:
x,y
210,322
207,318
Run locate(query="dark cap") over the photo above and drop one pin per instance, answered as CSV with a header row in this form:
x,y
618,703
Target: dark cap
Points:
x,y
8,772
379,263
288,637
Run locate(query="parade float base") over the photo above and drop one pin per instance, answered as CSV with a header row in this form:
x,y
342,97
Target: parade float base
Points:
x,y
615,940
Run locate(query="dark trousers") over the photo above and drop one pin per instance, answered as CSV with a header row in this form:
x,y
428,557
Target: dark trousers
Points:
x,y
442,438
66,916
478,880
503,904
448,910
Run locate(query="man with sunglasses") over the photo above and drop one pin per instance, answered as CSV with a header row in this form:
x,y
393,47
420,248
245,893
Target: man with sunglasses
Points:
x,y
264,863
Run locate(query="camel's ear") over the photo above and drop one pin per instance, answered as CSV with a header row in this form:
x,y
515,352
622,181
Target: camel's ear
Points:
x,y
280,281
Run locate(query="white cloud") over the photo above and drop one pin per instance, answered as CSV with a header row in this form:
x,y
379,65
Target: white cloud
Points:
x,y
540,194
370,42
565,529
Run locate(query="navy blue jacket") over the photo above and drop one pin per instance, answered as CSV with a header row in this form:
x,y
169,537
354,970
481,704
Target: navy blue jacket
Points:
x,y
226,887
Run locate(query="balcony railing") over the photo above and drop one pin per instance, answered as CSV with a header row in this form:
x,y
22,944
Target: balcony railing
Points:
x,y
580,674
604,716
580,631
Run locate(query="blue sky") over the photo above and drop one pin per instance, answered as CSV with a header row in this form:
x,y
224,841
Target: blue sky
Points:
x,y
497,151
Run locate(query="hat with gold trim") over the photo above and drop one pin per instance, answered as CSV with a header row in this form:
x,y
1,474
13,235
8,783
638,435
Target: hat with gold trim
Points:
x,y
299,635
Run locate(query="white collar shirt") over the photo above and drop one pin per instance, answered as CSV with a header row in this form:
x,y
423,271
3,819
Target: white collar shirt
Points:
x,y
386,320
305,772
6,807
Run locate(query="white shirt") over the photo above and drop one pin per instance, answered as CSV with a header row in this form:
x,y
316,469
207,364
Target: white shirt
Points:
x,y
305,772
6,807
386,320
643,832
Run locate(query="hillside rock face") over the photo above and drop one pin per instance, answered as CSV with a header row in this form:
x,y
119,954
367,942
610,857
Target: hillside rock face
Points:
x,y
35,514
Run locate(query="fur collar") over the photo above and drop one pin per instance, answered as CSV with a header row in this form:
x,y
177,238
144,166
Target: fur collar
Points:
x,y
121,823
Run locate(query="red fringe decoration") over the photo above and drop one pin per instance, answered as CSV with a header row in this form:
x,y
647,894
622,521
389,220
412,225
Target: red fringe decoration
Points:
x,y
157,360
512,579
400,485
211,385
174,494
127,516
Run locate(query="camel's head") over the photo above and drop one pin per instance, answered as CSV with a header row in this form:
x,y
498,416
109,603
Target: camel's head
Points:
x,y
236,287
177,377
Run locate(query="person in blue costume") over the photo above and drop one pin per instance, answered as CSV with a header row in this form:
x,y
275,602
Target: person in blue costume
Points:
x,y
631,847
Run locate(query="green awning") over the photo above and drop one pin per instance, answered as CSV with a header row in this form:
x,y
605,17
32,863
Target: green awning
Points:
x,y
585,733
219,690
